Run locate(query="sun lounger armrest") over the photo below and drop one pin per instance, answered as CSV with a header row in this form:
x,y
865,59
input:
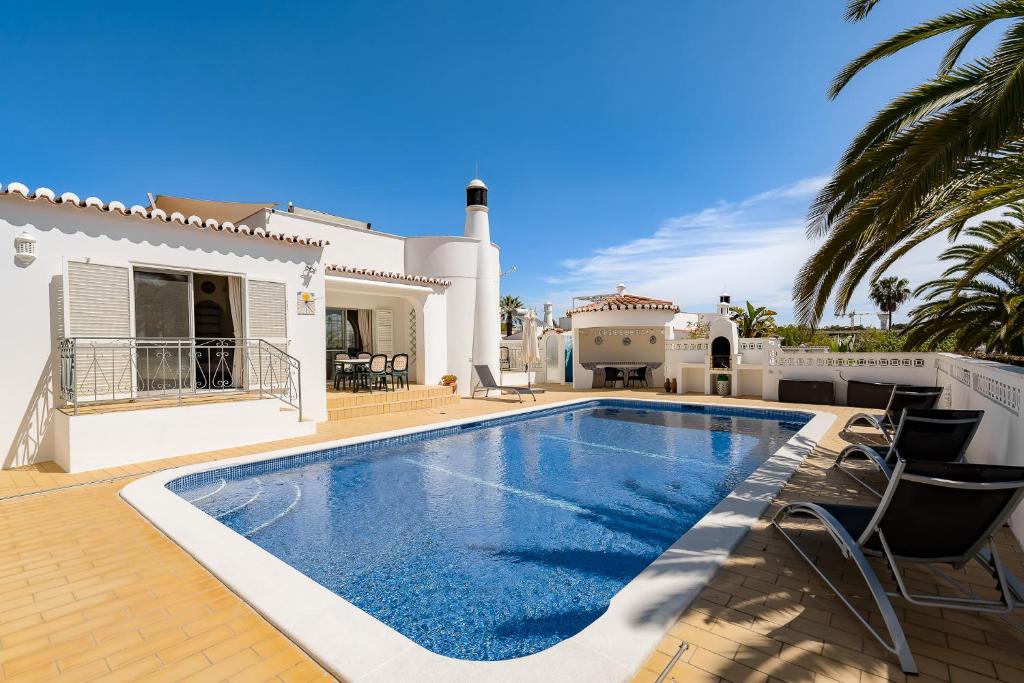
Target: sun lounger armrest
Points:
x,y
866,452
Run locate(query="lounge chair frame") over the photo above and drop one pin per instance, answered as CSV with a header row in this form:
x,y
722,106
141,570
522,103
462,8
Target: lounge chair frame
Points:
x,y
983,551
884,422
884,462
486,383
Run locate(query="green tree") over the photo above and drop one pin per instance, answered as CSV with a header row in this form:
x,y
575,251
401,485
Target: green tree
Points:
x,y
754,322
889,294
979,300
797,335
509,305
934,157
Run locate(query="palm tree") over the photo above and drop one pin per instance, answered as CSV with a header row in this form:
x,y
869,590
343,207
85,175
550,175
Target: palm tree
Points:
x,y
754,322
889,294
930,160
509,305
979,300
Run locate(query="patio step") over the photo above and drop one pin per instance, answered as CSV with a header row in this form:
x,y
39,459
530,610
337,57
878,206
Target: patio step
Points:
x,y
389,404
346,399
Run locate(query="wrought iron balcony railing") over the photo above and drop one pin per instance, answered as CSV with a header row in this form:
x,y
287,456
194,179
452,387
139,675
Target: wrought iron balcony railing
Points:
x,y
113,369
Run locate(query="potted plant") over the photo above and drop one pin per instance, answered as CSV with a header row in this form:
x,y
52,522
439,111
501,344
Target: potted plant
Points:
x,y
450,381
722,385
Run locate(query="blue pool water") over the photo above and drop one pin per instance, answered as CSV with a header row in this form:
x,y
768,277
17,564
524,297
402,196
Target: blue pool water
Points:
x,y
501,538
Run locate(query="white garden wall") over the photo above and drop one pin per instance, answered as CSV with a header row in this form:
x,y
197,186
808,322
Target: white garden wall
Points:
x,y
973,384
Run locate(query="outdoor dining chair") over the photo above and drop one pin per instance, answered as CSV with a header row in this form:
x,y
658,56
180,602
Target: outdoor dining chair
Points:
x,y
921,436
637,375
613,375
399,370
343,372
930,514
376,373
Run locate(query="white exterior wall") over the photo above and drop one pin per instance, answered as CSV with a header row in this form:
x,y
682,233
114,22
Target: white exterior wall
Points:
x,y
33,297
583,378
453,259
348,246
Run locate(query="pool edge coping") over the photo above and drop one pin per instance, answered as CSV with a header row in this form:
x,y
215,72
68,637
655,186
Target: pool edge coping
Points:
x,y
611,648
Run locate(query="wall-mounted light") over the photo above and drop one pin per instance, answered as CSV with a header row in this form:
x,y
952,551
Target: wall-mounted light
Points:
x,y
309,270
24,248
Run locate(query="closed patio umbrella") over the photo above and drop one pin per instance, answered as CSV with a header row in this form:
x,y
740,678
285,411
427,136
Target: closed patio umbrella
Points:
x,y
531,348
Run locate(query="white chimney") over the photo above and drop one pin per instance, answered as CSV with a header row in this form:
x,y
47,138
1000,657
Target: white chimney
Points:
x,y
620,288
549,315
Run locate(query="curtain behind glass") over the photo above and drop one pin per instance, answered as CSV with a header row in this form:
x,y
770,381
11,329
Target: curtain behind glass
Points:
x,y
364,329
235,304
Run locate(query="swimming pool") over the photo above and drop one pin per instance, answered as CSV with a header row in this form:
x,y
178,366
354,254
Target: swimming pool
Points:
x,y
500,538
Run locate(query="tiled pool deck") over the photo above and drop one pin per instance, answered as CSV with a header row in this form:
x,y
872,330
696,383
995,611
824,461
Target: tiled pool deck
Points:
x,y
90,591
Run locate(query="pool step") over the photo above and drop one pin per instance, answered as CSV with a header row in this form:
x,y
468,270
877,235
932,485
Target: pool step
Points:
x,y
346,399
247,505
344,405
393,406
226,496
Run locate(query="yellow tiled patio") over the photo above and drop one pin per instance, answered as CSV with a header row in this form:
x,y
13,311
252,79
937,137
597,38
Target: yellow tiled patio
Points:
x,y
91,591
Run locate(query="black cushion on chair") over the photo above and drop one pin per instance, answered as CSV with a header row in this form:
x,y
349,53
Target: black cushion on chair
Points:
x,y
853,518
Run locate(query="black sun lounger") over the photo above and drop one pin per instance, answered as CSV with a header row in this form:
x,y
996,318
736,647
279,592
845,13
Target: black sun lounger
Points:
x,y
921,436
901,398
931,513
487,383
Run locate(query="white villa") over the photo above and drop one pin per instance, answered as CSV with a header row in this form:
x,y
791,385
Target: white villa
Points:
x,y
192,298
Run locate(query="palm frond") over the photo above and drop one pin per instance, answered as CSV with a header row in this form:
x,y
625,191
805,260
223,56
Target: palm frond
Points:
x,y
858,9
956,20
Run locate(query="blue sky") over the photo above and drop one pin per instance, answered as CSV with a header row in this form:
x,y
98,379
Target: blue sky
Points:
x,y
670,145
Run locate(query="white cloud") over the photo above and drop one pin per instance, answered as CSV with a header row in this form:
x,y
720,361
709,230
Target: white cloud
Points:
x,y
801,189
752,249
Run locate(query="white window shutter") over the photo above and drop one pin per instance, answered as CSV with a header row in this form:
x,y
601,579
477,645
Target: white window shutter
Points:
x,y
97,303
384,332
267,308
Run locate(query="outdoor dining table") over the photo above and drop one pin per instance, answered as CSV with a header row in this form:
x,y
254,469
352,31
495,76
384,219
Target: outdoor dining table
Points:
x,y
352,361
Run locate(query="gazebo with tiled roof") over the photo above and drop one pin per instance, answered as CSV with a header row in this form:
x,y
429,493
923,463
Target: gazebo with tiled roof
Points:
x,y
620,332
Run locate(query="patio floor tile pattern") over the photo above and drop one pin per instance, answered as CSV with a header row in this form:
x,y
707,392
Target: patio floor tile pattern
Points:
x,y
90,591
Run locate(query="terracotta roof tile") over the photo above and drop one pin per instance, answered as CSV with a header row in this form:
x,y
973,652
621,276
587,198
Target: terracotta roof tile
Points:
x,y
626,302
385,275
116,207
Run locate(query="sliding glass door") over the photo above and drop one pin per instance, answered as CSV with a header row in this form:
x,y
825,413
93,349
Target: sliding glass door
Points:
x,y
163,327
